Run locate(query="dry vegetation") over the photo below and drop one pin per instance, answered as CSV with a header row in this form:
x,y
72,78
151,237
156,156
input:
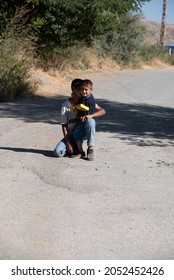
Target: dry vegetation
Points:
x,y
52,82
57,79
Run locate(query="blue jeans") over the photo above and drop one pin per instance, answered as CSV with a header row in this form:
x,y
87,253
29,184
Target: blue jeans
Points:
x,y
61,149
85,131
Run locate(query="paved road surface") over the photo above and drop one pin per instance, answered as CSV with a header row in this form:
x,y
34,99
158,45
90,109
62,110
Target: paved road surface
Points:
x,y
118,207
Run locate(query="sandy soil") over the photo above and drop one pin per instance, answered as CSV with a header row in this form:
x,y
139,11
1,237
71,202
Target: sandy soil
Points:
x,y
120,206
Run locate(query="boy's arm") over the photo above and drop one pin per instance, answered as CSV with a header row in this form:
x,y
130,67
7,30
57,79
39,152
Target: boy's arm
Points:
x,y
100,112
67,140
64,123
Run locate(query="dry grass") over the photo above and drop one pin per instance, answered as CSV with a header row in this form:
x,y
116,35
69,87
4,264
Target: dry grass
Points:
x,y
53,81
155,64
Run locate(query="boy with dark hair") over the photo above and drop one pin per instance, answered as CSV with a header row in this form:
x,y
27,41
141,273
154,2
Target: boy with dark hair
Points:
x,y
68,121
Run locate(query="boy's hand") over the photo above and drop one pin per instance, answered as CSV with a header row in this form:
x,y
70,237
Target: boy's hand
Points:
x,y
69,148
84,118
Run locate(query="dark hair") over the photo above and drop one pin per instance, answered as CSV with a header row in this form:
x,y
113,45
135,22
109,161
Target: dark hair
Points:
x,y
76,83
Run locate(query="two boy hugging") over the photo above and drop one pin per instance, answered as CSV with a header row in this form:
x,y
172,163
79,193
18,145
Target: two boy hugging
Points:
x,y
77,120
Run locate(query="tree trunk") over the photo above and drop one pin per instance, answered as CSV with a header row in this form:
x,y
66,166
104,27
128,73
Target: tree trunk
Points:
x,y
163,23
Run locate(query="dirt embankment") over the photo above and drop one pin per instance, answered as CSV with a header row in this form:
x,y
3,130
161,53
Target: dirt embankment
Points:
x,y
153,32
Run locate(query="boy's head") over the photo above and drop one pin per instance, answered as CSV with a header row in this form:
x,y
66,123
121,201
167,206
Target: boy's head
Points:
x,y
86,87
76,83
75,87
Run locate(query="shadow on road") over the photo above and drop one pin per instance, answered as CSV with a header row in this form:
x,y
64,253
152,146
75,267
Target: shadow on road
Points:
x,y
138,124
46,153
36,109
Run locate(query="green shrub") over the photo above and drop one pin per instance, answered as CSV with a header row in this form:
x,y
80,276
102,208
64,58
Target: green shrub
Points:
x,y
125,43
16,50
149,53
13,72
155,52
170,59
63,59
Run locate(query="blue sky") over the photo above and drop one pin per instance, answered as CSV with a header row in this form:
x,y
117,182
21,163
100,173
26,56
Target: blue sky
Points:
x,y
153,11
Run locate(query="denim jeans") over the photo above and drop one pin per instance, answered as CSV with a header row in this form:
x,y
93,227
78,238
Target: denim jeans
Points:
x,y
61,149
85,131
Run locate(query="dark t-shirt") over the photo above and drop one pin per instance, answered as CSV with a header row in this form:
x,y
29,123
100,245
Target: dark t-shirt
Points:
x,y
88,101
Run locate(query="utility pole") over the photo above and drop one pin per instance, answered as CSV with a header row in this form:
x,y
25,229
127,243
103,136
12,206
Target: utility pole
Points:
x,y
163,23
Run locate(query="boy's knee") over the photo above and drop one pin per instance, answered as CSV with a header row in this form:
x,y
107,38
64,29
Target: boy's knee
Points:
x,y
58,153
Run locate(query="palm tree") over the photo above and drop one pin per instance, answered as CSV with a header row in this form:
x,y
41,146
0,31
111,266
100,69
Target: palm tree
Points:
x,y
163,23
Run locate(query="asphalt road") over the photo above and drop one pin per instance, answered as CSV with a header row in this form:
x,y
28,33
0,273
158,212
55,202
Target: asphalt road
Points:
x,y
120,206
